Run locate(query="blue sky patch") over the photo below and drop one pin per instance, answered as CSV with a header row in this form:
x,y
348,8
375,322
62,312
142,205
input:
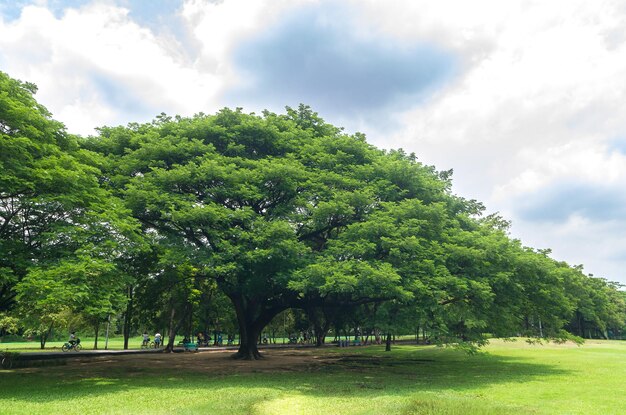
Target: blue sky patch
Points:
x,y
150,13
117,94
321,60
618,144
11,10
560,201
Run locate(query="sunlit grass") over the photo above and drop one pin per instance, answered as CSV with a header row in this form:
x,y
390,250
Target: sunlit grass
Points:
x,y
116,343
508,378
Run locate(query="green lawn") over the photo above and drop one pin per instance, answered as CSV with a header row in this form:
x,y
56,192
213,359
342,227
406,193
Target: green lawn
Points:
x,y
116,343
509,378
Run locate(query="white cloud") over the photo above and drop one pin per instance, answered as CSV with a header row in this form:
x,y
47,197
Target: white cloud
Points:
x,y
94,60
538,101
95,65
548,84
598,246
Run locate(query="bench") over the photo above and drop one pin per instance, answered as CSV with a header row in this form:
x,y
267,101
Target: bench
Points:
x,y
190,347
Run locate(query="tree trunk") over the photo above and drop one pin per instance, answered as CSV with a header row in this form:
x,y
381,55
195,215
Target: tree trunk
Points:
x,y
171,332
43,338
190,323
320,329
526,323
320,336
581,331
127,317
248,335
96,330
248,349
251,320
388,343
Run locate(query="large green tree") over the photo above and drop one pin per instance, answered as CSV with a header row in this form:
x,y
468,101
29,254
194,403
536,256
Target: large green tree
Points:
x,y
275,211
256,201
53,211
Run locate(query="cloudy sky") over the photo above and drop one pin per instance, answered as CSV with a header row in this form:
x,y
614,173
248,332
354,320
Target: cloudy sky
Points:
x,y
525,100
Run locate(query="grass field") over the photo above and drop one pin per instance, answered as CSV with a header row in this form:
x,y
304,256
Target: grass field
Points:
x,y
508,378
116,343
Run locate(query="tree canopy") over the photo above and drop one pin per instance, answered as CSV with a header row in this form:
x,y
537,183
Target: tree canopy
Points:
x,y
272,212
55,215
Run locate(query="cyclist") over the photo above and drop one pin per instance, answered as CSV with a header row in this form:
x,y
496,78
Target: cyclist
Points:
x,y
72,340
157,339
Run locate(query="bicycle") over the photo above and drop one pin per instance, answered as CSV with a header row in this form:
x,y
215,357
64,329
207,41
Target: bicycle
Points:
x,y
7,363
147,345
7,359
72,346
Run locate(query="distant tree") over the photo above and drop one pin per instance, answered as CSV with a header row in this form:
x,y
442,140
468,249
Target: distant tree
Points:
x,y
598,306
43,183
52,210
84,287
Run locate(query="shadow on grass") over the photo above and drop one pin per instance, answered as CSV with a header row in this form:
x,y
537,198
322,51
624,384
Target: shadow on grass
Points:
x,y
358,373
411,369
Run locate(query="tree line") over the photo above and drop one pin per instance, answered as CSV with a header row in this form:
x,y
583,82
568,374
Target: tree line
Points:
x,y
242,222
